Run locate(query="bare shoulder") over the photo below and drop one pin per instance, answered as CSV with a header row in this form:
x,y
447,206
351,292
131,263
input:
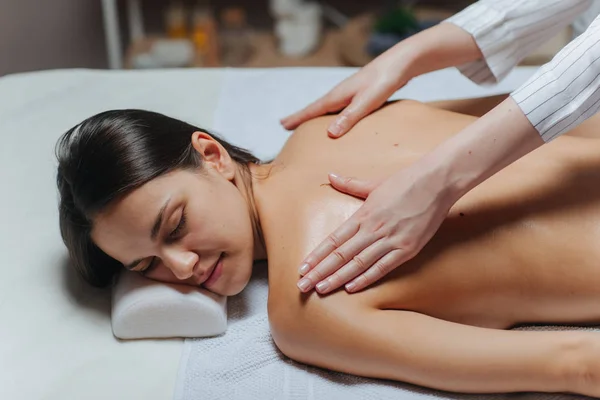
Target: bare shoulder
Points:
x,y
407,124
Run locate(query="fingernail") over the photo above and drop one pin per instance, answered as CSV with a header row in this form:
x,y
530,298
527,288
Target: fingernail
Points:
x,y
304,284
351,286
334,129
334,176
322,286
337,126
304,268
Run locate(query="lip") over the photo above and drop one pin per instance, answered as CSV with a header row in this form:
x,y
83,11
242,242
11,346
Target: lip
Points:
x,y
215,274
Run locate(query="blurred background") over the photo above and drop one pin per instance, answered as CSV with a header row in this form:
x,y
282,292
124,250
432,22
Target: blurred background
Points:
x,y
141,34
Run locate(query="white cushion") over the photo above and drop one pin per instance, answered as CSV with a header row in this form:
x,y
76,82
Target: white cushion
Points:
x,y
143,308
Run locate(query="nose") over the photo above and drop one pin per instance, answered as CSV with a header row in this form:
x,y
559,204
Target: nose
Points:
x,y
180,262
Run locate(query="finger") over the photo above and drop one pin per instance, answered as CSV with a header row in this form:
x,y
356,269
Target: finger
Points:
x,y
346,231
326,104
336,239
340,257
361,105
359,264
381,268
352,186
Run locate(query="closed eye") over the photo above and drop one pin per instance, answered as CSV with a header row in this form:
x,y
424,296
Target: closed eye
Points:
x,y
177,231
150,266
172,236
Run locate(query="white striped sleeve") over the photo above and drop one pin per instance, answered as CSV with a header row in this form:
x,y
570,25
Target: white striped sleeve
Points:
x,y
506,31
566,91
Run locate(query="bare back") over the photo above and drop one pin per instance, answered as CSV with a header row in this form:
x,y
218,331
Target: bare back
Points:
x,y
523,250
522,247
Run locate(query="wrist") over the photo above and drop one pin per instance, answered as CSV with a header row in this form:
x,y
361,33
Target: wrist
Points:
x,y
442,46
439,178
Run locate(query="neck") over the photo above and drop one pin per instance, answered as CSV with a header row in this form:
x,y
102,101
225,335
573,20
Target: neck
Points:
x,y
247,174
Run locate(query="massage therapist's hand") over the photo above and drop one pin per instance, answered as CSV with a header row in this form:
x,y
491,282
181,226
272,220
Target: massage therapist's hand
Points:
x,y
358,95
441,46
399,217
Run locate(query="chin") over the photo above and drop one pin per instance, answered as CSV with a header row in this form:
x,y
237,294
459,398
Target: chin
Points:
x,y
236,287
230,289
240,281
233,291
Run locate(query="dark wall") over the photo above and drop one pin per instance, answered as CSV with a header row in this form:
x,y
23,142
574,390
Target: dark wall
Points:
x,y
40,34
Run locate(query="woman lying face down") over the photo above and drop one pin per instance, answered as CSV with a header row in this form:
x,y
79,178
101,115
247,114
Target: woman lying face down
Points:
x,y
178,204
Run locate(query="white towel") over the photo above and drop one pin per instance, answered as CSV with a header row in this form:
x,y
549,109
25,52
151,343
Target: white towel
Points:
x,y
244,363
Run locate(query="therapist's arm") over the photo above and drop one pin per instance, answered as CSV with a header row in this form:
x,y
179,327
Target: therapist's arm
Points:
x,y
559,96
485,147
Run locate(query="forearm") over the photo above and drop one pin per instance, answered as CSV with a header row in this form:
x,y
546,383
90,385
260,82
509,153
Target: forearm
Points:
x,y
477,106
444,45
426,351
483,148
562,94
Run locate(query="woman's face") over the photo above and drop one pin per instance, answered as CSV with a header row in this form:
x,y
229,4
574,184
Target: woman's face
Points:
x,y
190,227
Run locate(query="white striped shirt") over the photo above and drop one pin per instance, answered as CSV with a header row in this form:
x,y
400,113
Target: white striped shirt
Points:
x,y
562,93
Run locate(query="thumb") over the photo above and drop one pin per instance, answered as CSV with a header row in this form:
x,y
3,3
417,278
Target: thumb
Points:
x,y
362,105
346,120
352,186
326,104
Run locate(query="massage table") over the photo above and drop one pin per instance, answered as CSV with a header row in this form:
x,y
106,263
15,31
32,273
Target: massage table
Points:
x,y
56,341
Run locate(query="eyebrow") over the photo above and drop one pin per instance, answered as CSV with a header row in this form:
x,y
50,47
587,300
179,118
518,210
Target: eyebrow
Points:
x,y
153,232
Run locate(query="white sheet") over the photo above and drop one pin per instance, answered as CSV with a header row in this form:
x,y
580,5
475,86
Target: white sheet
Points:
x,y
55,335
244,363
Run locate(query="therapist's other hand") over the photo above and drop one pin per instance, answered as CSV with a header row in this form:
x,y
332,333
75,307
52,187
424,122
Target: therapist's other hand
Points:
x,y
398,218
358,95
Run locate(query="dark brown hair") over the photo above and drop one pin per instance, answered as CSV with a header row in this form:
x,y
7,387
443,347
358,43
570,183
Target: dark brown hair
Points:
x,y
109,155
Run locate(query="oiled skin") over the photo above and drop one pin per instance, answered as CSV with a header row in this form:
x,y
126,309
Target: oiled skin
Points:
x,y
520,248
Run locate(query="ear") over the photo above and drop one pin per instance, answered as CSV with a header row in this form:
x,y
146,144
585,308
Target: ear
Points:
x,y
214,154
